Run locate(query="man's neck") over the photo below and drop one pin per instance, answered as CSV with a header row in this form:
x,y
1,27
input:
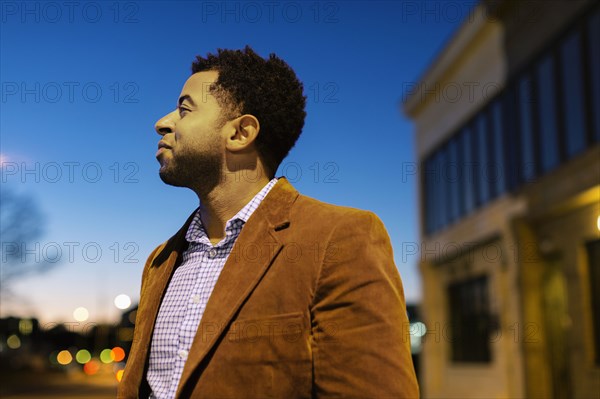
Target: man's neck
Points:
x,y
224,201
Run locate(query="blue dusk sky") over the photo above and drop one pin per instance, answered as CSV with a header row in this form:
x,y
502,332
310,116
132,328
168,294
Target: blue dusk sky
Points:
x,y
84,82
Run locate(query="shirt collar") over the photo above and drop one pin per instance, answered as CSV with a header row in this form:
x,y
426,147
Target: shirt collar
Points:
x,y
196,230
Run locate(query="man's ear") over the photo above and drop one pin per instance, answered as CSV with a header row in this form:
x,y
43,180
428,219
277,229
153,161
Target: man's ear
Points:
x,y
244,133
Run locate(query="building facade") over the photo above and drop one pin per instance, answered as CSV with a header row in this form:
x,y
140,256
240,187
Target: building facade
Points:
x,y
507,122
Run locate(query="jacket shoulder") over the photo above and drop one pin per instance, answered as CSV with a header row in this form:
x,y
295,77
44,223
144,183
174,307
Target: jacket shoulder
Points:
x,y
326,212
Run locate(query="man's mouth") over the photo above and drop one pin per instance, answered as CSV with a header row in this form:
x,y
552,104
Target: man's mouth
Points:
x,y
162,147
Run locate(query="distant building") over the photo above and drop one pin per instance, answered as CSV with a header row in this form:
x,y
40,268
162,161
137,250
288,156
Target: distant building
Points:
x,y
507,123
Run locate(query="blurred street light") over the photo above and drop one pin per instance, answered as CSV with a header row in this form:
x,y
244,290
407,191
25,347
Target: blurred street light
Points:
x,y
122,301
81,314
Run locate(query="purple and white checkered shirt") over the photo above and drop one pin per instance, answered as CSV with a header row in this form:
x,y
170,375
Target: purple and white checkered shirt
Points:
x,y
186,298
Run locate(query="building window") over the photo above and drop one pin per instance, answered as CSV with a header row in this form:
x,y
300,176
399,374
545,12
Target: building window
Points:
x,y
511,134
498,148
593,252
594,67
470,320
467,180
546,93
441,190
453,172
429,185
525,103
573,94
436,189
482,164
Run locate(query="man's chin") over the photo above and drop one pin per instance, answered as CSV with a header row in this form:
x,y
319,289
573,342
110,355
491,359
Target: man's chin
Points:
x,y
169,178
201,174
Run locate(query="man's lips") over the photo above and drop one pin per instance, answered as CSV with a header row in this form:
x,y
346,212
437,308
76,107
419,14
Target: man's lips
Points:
x,y
162,147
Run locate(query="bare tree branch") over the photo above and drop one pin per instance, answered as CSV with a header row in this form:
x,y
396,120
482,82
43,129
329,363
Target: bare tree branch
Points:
x,y
21,226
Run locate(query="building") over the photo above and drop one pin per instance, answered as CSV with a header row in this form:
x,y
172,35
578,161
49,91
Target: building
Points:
x,y
507,122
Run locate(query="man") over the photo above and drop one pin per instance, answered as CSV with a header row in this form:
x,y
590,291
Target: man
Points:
x,y
263,292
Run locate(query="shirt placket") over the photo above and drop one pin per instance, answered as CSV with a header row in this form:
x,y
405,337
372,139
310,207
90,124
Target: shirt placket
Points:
x,y
207,268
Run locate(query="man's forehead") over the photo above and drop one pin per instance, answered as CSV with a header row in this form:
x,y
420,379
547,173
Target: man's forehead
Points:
x,y
198,85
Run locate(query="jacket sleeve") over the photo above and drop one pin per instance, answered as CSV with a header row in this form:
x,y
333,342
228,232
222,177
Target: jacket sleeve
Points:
x,y
360,330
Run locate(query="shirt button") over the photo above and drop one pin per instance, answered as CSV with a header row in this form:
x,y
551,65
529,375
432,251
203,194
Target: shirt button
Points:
x,y
212,253
196,298
183,354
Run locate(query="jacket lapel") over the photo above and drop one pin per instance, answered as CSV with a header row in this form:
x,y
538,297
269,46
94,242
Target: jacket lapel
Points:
x,y
160,273
254,251
155,281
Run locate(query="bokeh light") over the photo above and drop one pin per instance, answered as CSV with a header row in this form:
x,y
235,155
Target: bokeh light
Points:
x,y
122,301
25,326
119,375
83,356
418,329
13,342
117,354
91,367
81,314
64,357
106,356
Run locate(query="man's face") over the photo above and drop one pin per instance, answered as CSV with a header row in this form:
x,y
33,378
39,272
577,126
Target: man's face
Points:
x,y
191,151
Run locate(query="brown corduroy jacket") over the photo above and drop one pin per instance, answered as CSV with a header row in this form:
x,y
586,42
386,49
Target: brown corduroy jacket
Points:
x,y
308,305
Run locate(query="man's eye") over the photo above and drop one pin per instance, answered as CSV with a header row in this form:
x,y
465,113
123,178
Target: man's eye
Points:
x,y
182,110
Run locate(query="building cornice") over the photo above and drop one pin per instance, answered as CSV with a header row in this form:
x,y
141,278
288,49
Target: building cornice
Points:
x,y
472,25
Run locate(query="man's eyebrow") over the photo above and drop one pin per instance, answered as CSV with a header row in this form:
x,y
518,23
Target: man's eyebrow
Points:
x,y
185,97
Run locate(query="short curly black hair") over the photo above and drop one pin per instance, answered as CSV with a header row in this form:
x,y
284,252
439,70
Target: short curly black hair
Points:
x,y
265,88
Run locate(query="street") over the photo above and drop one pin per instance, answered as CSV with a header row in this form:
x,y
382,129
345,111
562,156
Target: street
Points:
x,y
59,385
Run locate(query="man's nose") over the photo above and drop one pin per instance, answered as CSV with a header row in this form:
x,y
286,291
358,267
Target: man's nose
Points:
x,y
166,124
